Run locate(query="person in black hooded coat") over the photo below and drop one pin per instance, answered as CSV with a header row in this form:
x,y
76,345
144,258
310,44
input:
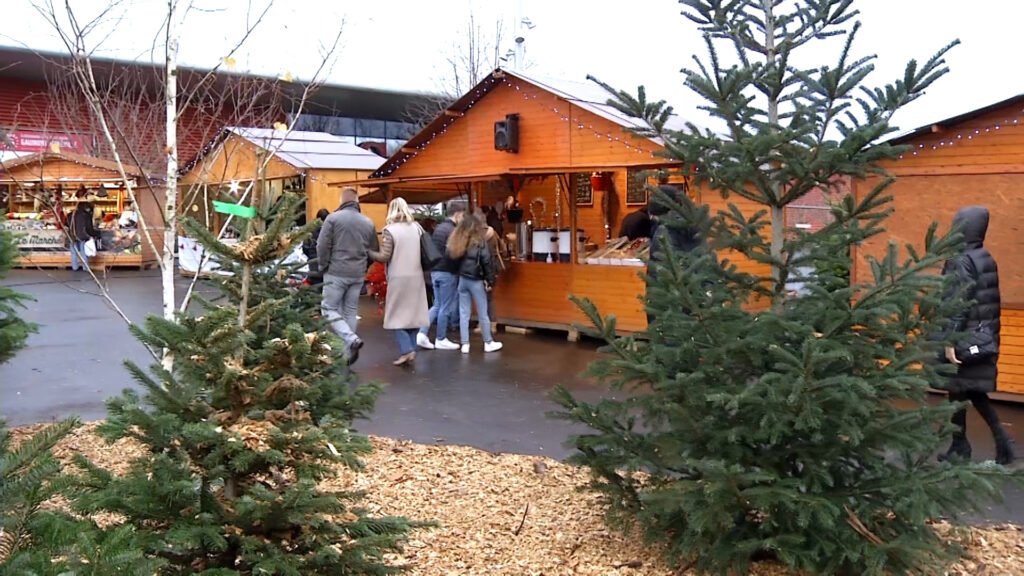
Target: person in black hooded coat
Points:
x,y
976,276
679,236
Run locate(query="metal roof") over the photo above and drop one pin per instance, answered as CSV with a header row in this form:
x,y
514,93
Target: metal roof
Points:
x,y
311,150
591,97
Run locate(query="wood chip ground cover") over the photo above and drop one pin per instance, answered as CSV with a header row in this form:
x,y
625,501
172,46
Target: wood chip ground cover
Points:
x,y
507,514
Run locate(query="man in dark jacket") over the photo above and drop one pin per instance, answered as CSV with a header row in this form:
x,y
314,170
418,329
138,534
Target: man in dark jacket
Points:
x,y
637,224
82,230
445,281
976,279
342,250
681,238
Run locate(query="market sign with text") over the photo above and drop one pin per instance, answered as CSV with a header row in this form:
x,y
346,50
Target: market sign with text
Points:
x,y
36,141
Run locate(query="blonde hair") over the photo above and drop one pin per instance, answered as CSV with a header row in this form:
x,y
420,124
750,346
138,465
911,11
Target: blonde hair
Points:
x,y
398,211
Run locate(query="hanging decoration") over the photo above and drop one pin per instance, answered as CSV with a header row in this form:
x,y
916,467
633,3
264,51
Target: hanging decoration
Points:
x,y
968,134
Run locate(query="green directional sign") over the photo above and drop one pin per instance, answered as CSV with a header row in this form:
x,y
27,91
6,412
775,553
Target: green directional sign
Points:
x,y
235,209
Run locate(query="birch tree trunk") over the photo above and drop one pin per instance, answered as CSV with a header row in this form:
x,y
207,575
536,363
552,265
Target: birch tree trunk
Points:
x,y
171,191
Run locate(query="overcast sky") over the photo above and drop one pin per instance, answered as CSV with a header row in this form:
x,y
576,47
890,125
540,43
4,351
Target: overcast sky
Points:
x,y
403,44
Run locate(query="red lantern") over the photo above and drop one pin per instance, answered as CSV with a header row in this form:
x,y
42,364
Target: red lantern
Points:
x,y
597,182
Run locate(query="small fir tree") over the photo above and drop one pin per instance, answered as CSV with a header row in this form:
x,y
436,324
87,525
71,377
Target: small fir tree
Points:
x,y
257,410
14,330
33,539
765,423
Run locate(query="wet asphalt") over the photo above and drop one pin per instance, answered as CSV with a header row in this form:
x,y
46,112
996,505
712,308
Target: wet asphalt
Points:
x,y
496,402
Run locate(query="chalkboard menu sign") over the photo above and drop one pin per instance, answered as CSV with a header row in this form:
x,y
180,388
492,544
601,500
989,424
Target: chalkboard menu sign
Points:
x,y
584,192
636,191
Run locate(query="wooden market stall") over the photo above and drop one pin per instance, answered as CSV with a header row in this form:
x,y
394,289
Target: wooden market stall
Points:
x,y
40,190
974,158
298,161
565,158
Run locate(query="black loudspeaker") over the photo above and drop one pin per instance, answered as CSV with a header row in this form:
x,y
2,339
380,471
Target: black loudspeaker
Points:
x,y
506,134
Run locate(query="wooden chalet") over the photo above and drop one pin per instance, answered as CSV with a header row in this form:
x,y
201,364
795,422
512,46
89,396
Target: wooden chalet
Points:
x,y
976,158
299,161
40,188
572,169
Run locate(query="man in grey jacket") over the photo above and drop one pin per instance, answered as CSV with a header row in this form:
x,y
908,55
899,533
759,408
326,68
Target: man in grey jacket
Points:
x,y
343,255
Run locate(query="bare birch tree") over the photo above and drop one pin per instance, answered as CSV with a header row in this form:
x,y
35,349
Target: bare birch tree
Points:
x,y
209,94
476,52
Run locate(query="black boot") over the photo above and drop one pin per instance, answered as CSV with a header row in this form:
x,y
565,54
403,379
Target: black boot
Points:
x,y
960,449
1004,452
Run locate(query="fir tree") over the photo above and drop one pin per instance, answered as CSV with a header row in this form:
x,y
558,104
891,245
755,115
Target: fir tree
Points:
x,y
13,329
256,411
765,423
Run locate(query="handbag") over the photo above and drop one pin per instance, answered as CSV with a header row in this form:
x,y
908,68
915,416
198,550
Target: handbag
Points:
x,y
978,346
429,254
89,247
980,343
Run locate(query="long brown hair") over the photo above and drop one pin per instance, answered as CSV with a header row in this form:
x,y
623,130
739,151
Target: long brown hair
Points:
x,y
469,232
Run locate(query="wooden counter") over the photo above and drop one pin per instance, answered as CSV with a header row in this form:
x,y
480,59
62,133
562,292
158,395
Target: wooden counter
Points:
x,y
536,294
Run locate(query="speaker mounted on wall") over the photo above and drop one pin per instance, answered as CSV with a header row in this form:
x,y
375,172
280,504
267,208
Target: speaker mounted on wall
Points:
x,y
506,134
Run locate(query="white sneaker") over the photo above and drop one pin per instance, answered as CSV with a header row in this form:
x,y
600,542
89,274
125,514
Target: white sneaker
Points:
x,y
492,346
423,341
465,348
445,344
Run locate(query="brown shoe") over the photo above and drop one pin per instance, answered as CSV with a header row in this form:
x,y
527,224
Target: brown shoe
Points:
x,y
405,359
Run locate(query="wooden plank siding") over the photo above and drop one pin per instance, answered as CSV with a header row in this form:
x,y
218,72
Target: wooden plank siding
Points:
x,y
545,139
972,162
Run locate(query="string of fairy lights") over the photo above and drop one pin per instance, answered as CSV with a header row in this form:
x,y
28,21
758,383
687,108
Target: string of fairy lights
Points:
x,y
528,95
969,134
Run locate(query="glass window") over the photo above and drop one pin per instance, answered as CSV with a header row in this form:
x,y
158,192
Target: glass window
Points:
x,y
367,128
399,130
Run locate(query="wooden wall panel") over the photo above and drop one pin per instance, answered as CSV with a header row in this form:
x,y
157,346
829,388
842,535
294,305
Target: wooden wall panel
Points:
x,y
920,200
593,141
534,293
546,140
615,290
973,143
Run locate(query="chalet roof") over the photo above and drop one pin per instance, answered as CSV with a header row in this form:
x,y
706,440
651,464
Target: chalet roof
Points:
x,y
311,150
586,95
591,97
70,157
953,120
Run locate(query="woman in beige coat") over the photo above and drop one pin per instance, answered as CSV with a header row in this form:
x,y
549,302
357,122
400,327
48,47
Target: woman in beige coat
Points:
x,y
405,310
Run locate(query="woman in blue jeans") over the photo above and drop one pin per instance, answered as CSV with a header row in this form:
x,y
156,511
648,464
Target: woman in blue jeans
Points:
x,y
405,308
468,245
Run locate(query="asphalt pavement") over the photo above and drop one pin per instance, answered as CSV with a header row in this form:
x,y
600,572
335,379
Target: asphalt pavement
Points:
x,y
497,402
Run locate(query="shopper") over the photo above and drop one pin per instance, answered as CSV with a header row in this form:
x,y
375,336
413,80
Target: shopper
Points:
x,y
496,247
405,309
445,282
309,246
343,255
468,247
82,231
637,224
679,236
976,279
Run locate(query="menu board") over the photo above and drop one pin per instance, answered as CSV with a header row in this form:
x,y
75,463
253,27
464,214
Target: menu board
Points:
x,y
636,191
584,192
